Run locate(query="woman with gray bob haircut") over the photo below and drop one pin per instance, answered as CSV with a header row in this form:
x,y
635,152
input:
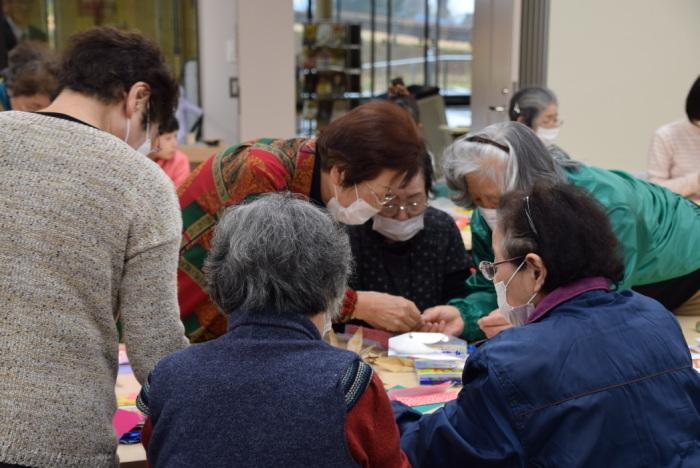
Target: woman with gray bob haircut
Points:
x,y
538,108
278,255
657,229
271,392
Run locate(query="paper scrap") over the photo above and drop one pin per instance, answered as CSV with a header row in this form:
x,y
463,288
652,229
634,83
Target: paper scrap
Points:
x,y
396,393
431,398
123,421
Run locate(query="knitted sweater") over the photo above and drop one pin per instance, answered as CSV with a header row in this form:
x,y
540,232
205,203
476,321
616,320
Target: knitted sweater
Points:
x,y
89,233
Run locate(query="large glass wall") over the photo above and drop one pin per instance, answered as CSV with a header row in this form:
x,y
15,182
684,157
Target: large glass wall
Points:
x,y
171,23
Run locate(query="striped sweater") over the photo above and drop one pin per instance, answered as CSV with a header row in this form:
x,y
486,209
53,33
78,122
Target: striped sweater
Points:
x,y
89,233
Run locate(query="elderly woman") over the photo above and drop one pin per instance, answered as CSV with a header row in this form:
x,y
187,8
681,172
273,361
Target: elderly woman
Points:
x,y
538,108
270,392
410,249
589,377
659,231
31,78
353,169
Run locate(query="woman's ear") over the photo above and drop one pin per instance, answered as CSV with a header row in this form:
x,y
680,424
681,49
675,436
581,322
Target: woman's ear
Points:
x,y
537,269
337,176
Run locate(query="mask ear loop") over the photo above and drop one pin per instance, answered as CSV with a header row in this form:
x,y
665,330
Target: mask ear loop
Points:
x,y
515,273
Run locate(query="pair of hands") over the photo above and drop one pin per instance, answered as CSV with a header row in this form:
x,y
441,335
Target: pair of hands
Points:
x,y
399,315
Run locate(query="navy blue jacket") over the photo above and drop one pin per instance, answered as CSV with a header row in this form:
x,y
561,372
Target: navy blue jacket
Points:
x,y
603,379
268,393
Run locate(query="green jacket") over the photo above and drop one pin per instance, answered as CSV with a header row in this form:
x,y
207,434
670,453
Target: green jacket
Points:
x,y
658,229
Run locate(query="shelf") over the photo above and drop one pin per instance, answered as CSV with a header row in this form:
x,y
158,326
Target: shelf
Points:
x,y
331,69
330,97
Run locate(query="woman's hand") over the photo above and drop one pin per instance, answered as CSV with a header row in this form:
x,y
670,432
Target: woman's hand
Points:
x,y
493,324
386,312
443,319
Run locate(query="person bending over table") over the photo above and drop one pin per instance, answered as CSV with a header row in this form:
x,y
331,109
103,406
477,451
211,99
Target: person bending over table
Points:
x,y
659,231
586,376
409,249
353,169
271,392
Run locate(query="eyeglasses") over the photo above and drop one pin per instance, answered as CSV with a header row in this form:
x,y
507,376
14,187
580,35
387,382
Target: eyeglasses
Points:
x,y
488,269
413,208
386,199
488,141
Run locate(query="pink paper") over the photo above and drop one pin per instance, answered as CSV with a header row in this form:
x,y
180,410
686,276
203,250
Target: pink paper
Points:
x,y
398,393
379,336
429,399
124,420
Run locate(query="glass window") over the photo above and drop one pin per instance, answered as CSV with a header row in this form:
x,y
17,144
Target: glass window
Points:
x,y
172,24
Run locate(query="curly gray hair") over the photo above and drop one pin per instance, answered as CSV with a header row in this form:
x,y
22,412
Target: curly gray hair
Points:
x,y
278,254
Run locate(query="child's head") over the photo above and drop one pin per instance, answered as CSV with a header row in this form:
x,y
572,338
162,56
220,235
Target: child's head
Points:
x,y
167,140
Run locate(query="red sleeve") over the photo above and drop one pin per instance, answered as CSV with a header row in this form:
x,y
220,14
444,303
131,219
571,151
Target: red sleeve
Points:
x,y
146,433
372,434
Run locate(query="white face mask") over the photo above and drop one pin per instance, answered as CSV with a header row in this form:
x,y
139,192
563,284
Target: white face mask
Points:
x,y
514,315
359,212
490,215
145,147
548,135
398,230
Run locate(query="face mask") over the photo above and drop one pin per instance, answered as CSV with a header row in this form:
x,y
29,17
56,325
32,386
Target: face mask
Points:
x,y
548,135
397,230
514,315
145,148
359,212
490,215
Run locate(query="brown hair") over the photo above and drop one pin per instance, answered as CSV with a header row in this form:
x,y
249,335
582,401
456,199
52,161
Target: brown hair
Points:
x,y
105,62
32,69
370,138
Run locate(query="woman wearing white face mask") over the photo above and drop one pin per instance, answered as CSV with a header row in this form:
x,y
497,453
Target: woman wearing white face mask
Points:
x,y
584,361
538,108
353,169
409,249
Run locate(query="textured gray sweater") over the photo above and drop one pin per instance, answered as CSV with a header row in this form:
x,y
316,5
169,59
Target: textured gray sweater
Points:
x,y
89,232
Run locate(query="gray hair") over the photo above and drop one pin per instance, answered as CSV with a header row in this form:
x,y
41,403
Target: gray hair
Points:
x,y
278,254
526,161
529,103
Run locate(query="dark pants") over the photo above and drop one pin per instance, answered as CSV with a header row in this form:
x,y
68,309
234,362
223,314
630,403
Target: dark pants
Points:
x,y
674,292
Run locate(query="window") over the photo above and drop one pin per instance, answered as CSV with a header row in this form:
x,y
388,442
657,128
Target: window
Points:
x,y
426,42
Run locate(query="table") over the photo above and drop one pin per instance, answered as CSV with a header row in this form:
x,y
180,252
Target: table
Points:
x,y
134,456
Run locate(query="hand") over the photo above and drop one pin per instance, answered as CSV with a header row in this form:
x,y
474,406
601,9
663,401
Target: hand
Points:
x,y
387,312
443,319
493,324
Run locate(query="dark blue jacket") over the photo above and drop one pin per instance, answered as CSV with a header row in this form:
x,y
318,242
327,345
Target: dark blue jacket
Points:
x,y
268,393
602,380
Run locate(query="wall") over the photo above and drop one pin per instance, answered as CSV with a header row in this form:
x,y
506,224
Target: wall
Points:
x,y
620,69
217,27
266,65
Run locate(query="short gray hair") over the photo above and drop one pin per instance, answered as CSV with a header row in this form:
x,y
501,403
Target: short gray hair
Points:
x,y
526,160
278,254
529,103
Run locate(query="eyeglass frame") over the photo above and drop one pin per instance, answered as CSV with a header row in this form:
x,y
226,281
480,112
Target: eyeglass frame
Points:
x,y
485,264
389,196
403,207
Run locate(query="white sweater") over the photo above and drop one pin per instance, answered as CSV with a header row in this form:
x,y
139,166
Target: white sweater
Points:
x,y
674,158
89,232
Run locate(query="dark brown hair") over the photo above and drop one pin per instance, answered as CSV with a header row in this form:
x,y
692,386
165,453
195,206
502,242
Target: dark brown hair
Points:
x,y
32,69
692,102
370,138
565,226
106,62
